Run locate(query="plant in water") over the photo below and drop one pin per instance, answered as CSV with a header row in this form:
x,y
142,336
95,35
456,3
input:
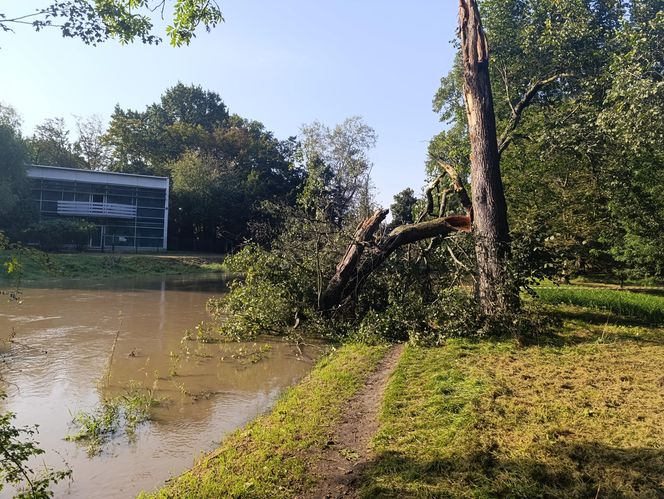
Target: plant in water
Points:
x,y
17,447
123,413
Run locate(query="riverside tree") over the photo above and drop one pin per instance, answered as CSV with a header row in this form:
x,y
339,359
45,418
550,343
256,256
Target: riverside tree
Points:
x,y
486,214
575,86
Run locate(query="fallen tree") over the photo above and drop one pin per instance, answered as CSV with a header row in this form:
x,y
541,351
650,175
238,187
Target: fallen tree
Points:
x,y
366,252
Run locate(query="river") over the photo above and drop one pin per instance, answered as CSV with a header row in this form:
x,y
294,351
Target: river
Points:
x,y
75,343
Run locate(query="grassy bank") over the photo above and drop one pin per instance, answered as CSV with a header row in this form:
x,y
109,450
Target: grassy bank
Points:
x,y
579,415
35,266
271,456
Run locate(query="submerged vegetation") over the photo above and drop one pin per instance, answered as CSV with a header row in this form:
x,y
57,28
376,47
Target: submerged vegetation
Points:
x,y
121,413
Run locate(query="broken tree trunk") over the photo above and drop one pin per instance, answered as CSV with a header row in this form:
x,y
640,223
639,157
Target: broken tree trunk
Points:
x,y
348,264
364,254
489,207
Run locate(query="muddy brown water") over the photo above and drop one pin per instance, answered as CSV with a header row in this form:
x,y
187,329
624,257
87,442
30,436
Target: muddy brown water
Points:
x,y
58,365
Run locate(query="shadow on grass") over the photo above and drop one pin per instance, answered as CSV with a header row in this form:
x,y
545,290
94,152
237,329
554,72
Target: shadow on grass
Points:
x,y
589,469
646,290
631,329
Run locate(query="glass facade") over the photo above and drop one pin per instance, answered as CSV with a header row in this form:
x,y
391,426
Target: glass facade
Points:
x,y
127,217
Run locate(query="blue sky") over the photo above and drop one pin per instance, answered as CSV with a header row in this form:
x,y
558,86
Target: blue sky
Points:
x,y
282,63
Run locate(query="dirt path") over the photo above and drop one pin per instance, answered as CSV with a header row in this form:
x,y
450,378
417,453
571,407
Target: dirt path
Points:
x,y
341,463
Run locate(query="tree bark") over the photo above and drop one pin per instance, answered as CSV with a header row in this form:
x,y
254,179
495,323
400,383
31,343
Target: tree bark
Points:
x,y
488,199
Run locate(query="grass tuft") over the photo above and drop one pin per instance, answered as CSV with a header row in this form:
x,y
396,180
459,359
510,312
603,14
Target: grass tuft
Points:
x,y
123,413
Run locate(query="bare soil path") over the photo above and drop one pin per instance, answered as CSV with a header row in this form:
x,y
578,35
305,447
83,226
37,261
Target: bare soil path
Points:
x,y
348,452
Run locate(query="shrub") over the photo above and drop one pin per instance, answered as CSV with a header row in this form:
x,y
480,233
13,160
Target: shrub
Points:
x,y
55,234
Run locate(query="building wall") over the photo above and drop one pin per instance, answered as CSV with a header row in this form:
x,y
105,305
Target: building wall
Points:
x,y
101,190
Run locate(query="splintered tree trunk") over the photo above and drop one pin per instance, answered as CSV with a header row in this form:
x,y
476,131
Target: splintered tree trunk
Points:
x,y
488,198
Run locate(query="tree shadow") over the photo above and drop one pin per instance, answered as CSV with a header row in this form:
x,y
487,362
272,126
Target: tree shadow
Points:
x,y
654,291
560,336
566,470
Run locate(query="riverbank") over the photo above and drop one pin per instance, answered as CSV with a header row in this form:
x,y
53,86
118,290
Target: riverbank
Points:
x,y
576,414
275,455
38,266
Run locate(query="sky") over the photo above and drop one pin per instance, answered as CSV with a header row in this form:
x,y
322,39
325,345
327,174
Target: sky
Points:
x,y
282,63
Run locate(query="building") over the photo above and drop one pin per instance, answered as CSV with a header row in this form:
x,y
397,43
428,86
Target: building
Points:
x,y
130,212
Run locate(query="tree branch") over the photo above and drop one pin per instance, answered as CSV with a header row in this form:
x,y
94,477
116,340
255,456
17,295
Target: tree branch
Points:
x,y
517,111
428,209
458,186
352,270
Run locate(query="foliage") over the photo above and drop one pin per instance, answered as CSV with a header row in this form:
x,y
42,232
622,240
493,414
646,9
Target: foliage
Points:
x,y
124,412
126,20
422,293
402,208
90,144
17,447
584,158
15,210
57,233
452,314
50,145
276,288
337,164
222,166
144,141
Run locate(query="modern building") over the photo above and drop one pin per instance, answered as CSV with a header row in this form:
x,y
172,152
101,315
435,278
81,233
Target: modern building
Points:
x,y
130,212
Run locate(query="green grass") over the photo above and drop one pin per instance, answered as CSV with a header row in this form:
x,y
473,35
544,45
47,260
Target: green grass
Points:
x,y
35,266
646,305
271,457
580,416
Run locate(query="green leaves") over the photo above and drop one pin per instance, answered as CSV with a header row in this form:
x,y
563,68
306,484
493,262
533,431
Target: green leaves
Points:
x,y
585,159
188,14
95,21
17,447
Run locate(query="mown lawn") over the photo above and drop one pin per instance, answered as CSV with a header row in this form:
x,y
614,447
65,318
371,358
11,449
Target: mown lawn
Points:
x,y
577,415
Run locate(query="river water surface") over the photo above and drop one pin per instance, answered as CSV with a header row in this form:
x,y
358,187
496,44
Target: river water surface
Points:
x,y
61,360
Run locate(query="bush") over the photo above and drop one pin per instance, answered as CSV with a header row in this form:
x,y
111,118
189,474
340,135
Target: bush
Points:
x,y
17,448
55,234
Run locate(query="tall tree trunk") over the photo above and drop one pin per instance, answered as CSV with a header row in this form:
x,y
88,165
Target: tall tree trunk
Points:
x,y
489,207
